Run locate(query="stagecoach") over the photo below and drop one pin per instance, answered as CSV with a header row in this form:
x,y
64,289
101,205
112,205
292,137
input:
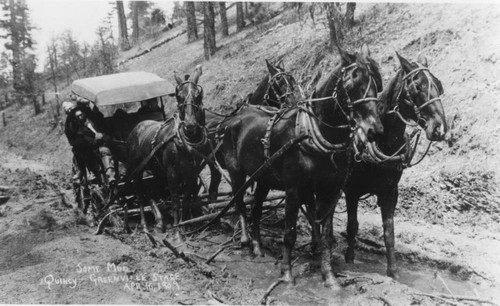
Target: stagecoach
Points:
x,y
125,99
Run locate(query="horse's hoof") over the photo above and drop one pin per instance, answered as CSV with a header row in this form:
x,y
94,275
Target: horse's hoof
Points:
x,y
245,243
212,196
349,257
288,278
160,229
394,274
258,252
332,284
178,236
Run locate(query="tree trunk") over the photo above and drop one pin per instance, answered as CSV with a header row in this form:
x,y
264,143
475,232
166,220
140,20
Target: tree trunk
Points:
x,y
16,50
53,68
240,18
208,29
36,105
122,26
192,28
135,22
349,14
333,24
223,19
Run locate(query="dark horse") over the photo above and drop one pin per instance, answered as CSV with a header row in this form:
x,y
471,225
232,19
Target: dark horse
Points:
x,y
324,127
413,94
276,89
176,162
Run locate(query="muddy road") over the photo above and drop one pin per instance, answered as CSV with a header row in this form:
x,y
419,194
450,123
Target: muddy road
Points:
x,y
50,254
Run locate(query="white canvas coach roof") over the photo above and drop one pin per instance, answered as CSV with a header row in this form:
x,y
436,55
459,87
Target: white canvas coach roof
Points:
x,y
122,88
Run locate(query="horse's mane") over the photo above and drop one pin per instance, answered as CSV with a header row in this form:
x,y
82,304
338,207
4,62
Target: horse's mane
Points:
x,y
385,100
370,64
259,93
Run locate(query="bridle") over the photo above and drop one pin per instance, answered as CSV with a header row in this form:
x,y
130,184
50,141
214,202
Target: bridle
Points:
x,y
273,80
182,106
180,122
350,104
406,158
311,126
408,83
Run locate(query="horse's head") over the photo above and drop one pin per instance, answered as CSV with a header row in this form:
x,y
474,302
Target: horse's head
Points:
x,y
190,102
281,86
420,93
361,81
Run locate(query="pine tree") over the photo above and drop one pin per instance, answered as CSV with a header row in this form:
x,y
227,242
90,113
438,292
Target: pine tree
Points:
x,y
208,30
223,19
122,26
192,28
16,28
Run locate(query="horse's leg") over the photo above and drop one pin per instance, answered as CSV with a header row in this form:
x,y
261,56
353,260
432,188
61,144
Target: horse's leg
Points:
x,y
192,207
229,146
351,201
290,236
215,178
260,195
126,227
315,227
141,199
237,181
387,202
169,160
160,226
326,203
174,196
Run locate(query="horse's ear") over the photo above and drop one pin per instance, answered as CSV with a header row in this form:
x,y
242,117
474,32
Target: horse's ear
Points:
x,y
405,65
272,70
197,73
422,60
177,78
365,51
438,84
280,65
346,58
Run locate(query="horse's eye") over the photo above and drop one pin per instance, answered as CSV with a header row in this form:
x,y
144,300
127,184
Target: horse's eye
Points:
x,y
355,74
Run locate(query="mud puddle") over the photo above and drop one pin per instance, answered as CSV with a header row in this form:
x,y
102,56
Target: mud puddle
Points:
x,y
368,271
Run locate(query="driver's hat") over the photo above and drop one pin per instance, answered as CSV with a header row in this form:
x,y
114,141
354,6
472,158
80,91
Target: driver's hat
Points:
x,y
67,106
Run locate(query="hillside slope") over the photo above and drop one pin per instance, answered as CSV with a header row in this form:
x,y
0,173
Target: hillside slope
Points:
x,y
462,45
461,42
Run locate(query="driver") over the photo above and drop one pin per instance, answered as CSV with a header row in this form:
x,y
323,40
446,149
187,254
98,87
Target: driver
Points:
x,y
83,130
149,106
